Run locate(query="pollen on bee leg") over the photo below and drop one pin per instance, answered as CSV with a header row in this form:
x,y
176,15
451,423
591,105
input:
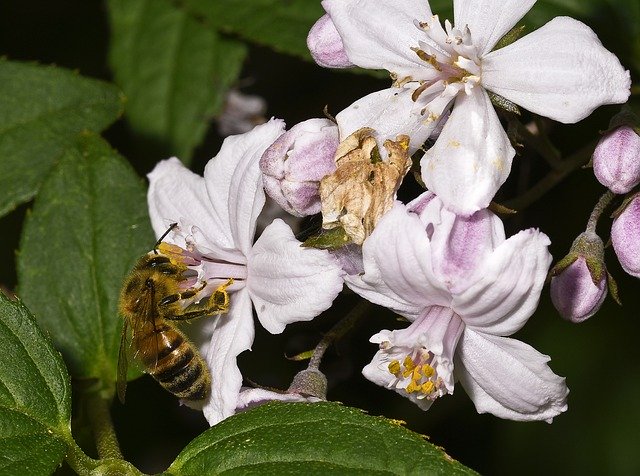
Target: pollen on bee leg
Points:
x,y
219,300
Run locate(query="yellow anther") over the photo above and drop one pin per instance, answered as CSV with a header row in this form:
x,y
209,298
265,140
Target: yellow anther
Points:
x,y
408,363
394,367
427,370
428,387
416,374
412,387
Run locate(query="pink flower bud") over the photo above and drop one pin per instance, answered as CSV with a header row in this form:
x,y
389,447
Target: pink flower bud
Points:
x,y
325,45
295,163
625,237
616,160
574,294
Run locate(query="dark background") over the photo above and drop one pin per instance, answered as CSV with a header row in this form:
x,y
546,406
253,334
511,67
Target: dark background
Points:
x,y
599,434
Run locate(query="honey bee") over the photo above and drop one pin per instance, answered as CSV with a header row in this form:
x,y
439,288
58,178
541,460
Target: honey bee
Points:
x,y
152,299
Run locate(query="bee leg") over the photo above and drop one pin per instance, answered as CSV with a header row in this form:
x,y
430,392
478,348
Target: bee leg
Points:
x,y
189,293
218,303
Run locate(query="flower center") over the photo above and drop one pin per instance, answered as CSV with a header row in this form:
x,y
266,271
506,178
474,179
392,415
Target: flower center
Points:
x,y
417,374
451,57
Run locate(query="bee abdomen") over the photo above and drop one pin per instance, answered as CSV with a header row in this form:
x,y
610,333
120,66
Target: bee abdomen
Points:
x,y
179,368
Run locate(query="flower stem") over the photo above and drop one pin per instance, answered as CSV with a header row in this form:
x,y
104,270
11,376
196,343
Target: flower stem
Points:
x,y
102,426
337,331
554,177
600,207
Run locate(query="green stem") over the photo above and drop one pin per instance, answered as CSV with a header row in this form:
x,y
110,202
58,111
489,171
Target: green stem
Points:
x,y
337,331
554,177
102,426
81,464
600,207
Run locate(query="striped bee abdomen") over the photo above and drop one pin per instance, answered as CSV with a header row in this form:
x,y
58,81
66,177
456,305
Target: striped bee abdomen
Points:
x,y
176,365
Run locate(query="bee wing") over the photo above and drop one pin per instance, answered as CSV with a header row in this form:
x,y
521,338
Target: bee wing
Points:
x,y
121,382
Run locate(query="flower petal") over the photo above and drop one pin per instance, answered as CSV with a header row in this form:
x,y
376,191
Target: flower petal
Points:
x,y
325,45
379,35
507,286
388,112
178,195
560,71
234,181
397,266
289,283
232,334
509,378
459,245
489,21
253,397
471,158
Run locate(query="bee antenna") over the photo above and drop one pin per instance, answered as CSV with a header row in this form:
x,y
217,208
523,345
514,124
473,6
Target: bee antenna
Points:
x,y
164,235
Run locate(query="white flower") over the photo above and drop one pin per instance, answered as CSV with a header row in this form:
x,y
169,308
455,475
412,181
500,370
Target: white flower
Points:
x,y
464,288
560,71
216,216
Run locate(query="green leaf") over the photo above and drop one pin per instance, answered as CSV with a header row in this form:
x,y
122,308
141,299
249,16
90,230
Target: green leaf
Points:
x,y
88,226
311,439
174,71
281,25
35,396
42,109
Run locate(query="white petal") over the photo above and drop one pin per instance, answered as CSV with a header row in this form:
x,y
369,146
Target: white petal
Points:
x,y
471,158
233,334
234,181
507,285
489,21
178,195
377,371
560,71
253,397
397,266
509,378
379,34
289,283
389,112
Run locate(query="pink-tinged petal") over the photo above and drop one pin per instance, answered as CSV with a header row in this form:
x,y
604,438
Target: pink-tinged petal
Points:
x,y
574,294
616,160
234,181
624,237
325,45
489,21
505,291
232,334
560,71
397,266
459,245
178,195
379,35
289,283
471,158
253,397
389,112
509,378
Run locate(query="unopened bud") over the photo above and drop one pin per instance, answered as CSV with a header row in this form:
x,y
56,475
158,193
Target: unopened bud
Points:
x,y
309,383
579,280
295,163
616,160
625,237
325,45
